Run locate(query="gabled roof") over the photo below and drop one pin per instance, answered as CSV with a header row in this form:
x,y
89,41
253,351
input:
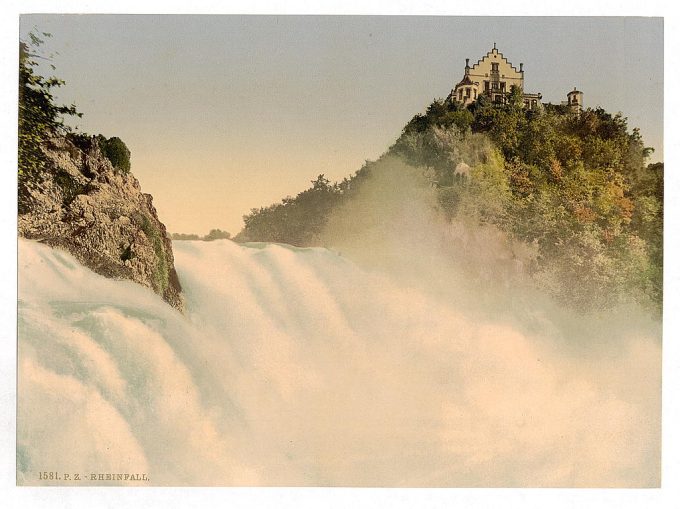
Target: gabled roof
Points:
x,y
465,81
489,56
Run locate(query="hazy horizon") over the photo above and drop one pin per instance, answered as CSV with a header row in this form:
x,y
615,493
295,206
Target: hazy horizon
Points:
x,y
226,113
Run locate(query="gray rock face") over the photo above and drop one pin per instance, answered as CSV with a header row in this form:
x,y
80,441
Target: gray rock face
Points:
x,y
82,204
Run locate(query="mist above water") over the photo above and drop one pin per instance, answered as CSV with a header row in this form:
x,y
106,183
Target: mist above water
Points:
x,y
413,352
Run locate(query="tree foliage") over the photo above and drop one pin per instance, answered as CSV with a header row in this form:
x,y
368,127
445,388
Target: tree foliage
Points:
x,y
41,119
39,116
185,236
575,186
115,151
216,234
296,221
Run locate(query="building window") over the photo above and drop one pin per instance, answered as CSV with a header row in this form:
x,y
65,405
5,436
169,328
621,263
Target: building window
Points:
x,y
486,86
460,94
494,67
467,92
503,86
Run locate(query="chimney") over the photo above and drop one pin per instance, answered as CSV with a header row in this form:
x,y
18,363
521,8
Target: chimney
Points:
x,y
521,67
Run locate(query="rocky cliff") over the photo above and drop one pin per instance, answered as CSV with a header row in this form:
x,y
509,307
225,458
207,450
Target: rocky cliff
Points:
x,y
81,203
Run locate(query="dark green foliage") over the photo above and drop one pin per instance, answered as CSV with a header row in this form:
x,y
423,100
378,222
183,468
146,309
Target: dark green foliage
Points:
x,y
115,151
69,187
161,274
216,234
41,120
442,114
185,236
298,221
573,185
126,254
647,220
39,117
579,190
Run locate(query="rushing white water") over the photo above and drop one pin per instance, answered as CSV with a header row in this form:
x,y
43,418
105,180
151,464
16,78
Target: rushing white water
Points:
x,y
300,367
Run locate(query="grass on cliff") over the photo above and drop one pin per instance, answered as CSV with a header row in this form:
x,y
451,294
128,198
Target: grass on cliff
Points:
x,y
161,274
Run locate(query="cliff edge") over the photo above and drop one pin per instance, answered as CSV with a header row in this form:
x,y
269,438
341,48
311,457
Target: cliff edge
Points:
x,y
81,203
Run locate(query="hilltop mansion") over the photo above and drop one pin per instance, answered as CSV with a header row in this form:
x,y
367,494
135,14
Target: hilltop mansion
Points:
x,y
493,76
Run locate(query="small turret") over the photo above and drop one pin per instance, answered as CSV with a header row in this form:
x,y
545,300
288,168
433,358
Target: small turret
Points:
x,y
467,66
575,100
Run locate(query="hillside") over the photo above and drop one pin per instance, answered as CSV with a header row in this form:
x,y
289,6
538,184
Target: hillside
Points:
x,y
574,187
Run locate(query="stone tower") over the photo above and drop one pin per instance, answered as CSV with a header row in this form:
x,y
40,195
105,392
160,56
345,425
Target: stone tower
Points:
x,y
575,100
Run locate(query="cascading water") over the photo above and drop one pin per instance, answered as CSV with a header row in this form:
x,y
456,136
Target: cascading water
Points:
x,y
306,367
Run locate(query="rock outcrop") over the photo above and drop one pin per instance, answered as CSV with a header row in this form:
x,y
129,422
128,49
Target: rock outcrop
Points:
x,y
82,204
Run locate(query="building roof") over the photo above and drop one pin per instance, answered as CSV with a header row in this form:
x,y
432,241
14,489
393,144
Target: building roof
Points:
x,y
500,56
465,81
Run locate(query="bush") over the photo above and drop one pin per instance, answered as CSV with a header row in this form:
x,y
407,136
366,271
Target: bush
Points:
x,y
115,151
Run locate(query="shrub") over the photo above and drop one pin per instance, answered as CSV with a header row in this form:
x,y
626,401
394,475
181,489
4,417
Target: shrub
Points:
x,y
115,151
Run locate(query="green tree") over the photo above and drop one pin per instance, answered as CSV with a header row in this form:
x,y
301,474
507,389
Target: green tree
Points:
x,y
574,187
39,116
297,221
216,234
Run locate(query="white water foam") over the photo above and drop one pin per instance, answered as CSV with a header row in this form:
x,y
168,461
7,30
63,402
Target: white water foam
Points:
x,y
298,367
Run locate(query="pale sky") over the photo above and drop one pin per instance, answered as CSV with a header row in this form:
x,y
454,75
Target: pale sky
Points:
x,y
226,113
